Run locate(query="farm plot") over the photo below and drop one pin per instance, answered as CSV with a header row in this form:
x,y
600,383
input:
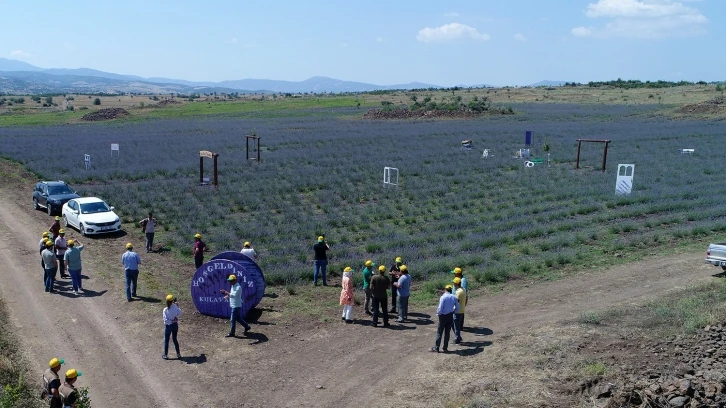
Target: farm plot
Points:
x,y
323,175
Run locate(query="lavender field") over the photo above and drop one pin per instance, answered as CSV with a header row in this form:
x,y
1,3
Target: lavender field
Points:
x,y
323,174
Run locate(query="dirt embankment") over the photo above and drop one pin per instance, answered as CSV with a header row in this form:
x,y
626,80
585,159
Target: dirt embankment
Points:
x,y
714,106
419,114
106,114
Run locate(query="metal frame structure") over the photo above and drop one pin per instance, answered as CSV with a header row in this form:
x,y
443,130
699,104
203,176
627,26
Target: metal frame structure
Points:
x,y
604,154
115,148
210,155
387,175
255,146
87,161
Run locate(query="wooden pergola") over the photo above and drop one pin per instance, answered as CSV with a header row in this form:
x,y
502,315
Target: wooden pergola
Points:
x,y
604,153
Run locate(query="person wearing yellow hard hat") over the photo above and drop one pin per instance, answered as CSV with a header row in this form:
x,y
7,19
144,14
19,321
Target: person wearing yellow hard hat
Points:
x,y
61,246
52,382
403,287
346,295
394,274
379,291
321,260
458,326
198,252
367,275
148,224
458,273
235,303
72,258
51,266
448,305
68,392
171,315
248,251
54,228
131,261
44,237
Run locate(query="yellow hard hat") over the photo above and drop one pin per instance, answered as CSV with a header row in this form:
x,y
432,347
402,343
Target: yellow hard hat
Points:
x,y
457,271
247,244
321,238
382,268
61,231
129,246
198,235
348,269
369,263
404,268
45,234
399,259
55,362
57,218
73,373
71,242
169,298
448,287
457,281
232,278
48,243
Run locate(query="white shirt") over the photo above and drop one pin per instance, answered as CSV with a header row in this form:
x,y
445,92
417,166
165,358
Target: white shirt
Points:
x,y
60,246
171,314
150,226
249,252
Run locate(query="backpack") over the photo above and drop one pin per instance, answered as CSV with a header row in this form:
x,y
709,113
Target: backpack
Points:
x,y
143,224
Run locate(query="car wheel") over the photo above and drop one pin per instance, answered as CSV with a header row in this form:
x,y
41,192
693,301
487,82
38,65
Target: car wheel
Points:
x,y
724,268
35,204
50,209
81,229
65,221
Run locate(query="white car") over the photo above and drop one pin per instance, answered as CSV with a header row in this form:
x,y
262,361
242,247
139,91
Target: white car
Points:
x,y
90,215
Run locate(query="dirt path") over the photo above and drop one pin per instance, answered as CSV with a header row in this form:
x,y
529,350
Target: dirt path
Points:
x,y
302,363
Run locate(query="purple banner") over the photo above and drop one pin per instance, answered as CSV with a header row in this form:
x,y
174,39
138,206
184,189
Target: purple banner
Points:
x,y
212,276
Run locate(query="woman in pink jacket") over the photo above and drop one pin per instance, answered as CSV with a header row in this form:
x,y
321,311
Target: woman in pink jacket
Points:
x,y
346,295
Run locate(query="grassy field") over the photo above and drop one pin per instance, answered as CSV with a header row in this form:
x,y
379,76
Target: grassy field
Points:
x,y
15,390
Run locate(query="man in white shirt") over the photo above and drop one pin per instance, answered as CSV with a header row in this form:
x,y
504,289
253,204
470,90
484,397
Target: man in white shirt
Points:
x,y
149,226
248,251
61,245
235,302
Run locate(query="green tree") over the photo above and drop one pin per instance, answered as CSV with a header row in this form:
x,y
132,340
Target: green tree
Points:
x,y
97,101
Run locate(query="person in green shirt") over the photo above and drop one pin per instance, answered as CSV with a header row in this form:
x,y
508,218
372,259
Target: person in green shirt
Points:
x,y
367,275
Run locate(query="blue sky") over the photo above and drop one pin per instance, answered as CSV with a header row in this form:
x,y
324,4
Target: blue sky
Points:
x,y
512,42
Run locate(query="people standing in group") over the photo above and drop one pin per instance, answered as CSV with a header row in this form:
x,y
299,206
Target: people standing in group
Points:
x,y
72,259
321,260
148,224
248,251
379,290
55,228
394,274
346,295
367,275
235,302
199,248
52,382
50,262
45,237
403,286
458,273
61,246
131,261
171,315
448,305
460,294
68,392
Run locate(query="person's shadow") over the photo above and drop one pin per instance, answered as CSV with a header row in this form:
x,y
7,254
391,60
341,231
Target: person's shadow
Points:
x,y
83,293
200,359
148,299
474,347
420,319
258,338
478,331
255,314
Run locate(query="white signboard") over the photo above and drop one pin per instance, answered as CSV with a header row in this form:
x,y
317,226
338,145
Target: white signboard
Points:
x,y
114,148
87,161
387,176
624,182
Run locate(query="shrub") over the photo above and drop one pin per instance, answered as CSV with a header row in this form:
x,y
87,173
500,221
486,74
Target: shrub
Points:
x,y
97,101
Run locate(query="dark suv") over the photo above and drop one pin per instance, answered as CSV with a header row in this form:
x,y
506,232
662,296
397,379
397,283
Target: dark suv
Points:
x,y
52,195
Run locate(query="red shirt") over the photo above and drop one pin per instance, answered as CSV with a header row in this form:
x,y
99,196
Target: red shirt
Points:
x,y
199,248
55,228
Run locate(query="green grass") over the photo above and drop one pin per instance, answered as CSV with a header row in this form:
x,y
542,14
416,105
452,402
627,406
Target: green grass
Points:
x,y
15,391
594,368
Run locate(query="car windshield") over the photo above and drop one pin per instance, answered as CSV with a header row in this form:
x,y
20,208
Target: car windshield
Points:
x,y
55,190
92,208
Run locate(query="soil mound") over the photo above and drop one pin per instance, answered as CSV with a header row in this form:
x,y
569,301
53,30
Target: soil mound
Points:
x,y
106,114
715,105
167,102
417,114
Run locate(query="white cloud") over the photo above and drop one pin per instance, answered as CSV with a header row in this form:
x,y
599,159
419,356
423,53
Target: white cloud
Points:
x,y
232,40
581,32
451,14
20,54
520,37
644,19
379,39
450,32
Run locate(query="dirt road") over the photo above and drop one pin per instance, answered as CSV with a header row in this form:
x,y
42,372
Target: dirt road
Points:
x,y
303,363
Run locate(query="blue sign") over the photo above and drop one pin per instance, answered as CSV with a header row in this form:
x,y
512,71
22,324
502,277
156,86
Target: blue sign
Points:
x,y
528,138
212,276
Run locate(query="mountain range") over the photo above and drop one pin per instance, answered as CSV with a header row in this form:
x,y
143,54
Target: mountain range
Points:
x,y
17,77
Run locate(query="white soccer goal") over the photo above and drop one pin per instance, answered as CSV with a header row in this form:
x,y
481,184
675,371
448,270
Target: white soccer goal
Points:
x,y
388,176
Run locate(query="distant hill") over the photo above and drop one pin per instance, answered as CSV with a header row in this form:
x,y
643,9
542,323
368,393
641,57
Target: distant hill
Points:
x,y
549,83
21,78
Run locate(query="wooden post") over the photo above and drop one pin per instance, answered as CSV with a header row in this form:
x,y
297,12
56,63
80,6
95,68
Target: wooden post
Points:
x,y
201,170
216,184
579,143
605,155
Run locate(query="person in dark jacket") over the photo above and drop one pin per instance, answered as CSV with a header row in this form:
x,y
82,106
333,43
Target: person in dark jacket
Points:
x,y
379,290
321,260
